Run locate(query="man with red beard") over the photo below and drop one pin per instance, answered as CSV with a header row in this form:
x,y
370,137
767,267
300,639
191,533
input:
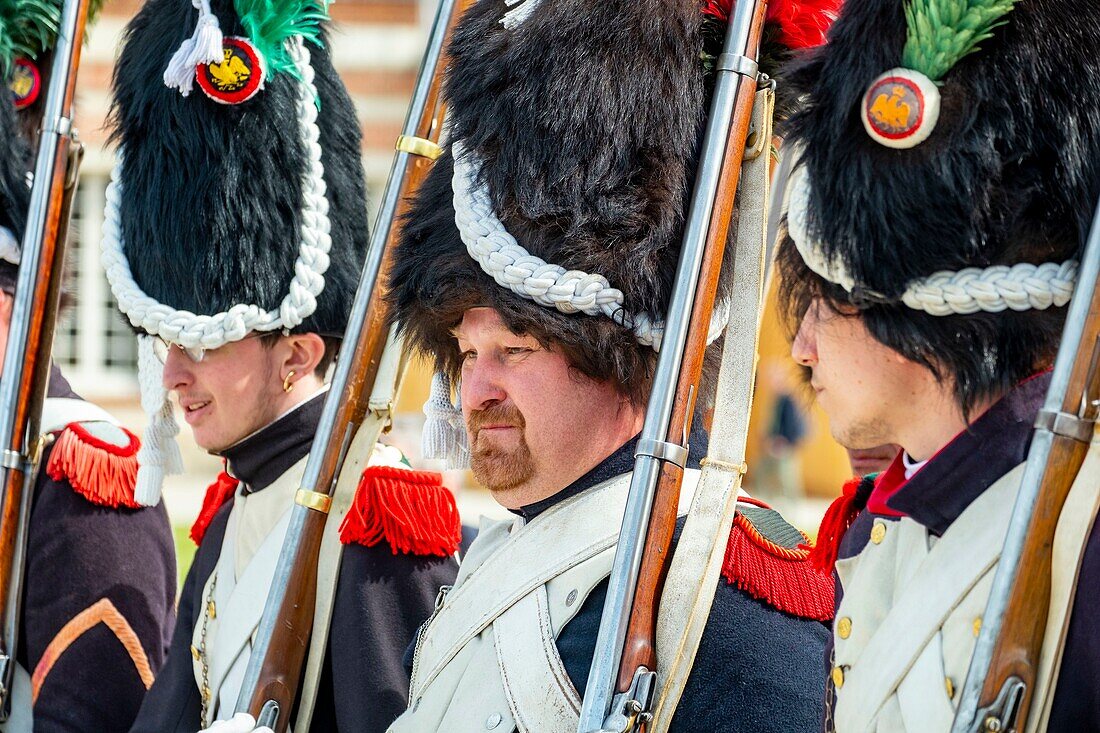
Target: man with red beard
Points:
x,y
559,168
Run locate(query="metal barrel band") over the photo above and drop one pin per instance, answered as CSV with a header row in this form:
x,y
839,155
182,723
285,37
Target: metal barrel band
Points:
x,y
663,451
418,146
1066,425
314,500
738,64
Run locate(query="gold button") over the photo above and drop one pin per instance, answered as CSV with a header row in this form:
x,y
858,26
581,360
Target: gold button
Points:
x,y
211,609
977,625
844,627
838,677
950,686
195,652
878,532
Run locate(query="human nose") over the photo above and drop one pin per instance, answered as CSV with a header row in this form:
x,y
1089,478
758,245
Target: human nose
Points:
x,y
481,385
177,370
804,346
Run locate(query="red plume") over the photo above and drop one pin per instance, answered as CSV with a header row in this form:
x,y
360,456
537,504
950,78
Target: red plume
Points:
x,y
802,23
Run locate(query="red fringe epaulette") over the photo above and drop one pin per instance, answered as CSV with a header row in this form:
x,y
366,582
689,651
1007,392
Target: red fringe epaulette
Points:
x,y
216,495
411,510
778,575
100,471
837,520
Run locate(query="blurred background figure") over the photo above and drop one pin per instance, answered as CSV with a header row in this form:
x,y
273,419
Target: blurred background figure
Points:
x,y
779,477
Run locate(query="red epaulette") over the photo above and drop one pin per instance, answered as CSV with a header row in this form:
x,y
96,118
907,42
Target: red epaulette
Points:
x,y
101,471
768,559
411,510
216,495
837,520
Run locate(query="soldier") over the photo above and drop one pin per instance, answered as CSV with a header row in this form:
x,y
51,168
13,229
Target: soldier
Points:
x,y
244,199
942,200
100,573
575,124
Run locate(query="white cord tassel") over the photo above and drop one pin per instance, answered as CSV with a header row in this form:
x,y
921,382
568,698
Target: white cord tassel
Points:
x,y
444,435
203,47
159,455
515,17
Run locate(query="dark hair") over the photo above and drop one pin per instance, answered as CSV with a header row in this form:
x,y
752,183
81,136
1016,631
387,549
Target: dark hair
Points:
x,y
983,355
332,346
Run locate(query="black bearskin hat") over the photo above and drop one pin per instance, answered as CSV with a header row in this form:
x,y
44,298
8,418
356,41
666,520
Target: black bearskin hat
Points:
x,y
238,202
950,166
578,122
211,200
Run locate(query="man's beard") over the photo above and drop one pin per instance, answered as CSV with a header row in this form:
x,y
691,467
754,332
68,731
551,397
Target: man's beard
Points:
x,y
497,468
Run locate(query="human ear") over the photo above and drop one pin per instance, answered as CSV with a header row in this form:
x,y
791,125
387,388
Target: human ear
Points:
x,y
302,353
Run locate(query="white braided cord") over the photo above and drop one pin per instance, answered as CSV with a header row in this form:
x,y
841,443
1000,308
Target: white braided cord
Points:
x,y
211,331
511,266
1019,287
517,14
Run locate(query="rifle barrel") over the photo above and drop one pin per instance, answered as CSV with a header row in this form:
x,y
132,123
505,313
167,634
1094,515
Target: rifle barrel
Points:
x,y
673,395
25,372
1010,640
274,669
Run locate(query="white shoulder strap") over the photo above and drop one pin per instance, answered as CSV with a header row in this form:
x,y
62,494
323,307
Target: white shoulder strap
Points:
x,y
57,412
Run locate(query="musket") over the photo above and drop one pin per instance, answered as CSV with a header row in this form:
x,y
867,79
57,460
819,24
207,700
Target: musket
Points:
x,y
1001,681
274,670
621,682
26,369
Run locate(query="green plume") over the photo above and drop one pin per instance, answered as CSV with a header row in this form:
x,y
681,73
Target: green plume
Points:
x,y
271,23
941,32
29,27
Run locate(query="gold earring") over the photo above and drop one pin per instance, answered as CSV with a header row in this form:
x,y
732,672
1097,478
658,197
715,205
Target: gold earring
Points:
x,y
287,385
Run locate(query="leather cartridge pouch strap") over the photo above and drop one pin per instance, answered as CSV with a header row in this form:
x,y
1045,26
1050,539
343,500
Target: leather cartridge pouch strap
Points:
x,y
1070,540
391,370
693,575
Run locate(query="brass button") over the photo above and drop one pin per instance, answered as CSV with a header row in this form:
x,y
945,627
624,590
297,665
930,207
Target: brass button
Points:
x,y
977,625
950,686
195,652
878,532
838,677
844,627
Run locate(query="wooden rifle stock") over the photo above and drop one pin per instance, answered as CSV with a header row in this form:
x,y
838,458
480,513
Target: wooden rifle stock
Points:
x,y
1008,674
640,648
26,365
271,688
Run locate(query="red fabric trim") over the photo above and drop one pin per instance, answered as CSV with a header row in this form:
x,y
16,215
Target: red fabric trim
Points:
x,y
838,518
216,495
754,501
787,582
410,510
888,483
101,472
800,23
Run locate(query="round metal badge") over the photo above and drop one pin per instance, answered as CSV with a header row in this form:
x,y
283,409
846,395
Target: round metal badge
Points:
x,y
238,76
901,108
25,83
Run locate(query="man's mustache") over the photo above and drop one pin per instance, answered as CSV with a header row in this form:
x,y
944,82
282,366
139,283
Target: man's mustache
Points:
x,y
495,415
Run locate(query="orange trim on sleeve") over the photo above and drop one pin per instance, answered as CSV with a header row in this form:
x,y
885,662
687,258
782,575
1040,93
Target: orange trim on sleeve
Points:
x,y
102,611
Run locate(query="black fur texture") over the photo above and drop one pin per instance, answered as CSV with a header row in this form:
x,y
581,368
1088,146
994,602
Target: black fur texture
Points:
x,y
212,194
587,119
1010,174
15,195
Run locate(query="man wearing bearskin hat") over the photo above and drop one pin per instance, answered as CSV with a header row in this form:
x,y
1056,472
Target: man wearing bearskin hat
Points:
x,y
100,575
573,131
239,195
949,167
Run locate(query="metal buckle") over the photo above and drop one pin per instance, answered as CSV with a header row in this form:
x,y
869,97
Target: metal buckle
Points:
x,y
418,146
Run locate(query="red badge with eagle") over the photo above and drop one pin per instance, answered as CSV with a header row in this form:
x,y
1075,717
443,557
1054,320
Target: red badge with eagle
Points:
x,y
25,83
237,77
901,108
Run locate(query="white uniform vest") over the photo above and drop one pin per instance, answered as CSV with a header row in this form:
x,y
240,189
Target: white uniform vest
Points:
x,y
906,627
487,660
